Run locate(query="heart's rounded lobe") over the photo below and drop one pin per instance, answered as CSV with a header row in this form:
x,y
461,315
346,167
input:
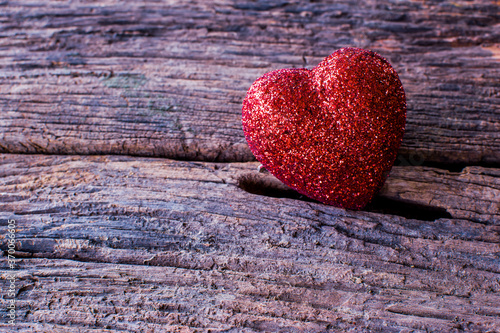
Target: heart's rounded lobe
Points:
x,y
331,133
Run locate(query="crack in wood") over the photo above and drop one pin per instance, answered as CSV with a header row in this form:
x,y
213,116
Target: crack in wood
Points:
x,y
392,206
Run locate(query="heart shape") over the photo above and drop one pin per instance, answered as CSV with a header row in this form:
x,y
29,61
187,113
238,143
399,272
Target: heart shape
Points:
x,y
331,133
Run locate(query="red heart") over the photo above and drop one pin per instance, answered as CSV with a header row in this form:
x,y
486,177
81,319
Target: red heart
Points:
x,y
331,133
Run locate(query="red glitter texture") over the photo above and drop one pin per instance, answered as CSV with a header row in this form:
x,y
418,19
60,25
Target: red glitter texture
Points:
x,y
331,133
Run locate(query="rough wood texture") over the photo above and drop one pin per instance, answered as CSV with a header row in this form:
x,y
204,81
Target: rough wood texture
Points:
x,y
151,244
168,78
141,244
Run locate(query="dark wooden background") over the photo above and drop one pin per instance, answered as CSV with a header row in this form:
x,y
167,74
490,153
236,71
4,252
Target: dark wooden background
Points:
x,y
138,203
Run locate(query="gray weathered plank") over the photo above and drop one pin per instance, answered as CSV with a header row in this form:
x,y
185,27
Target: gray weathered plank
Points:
x,y
168,78
129,243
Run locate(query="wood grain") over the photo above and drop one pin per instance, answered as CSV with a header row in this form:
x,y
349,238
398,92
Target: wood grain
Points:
x,y
145,244
167,78
129,241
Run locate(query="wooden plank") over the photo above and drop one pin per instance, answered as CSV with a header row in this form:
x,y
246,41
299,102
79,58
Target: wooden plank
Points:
x,y
129,243
167,79
120,243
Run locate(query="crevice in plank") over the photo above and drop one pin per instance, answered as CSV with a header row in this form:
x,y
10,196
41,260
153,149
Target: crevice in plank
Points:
x,y
269,187
407,209
415,159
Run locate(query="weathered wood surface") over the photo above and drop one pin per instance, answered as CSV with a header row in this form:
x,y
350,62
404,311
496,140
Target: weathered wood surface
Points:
x,y
139,244
127,243
168,78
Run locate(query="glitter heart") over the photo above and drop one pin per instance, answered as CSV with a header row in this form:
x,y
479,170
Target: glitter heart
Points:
x,y
331,133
